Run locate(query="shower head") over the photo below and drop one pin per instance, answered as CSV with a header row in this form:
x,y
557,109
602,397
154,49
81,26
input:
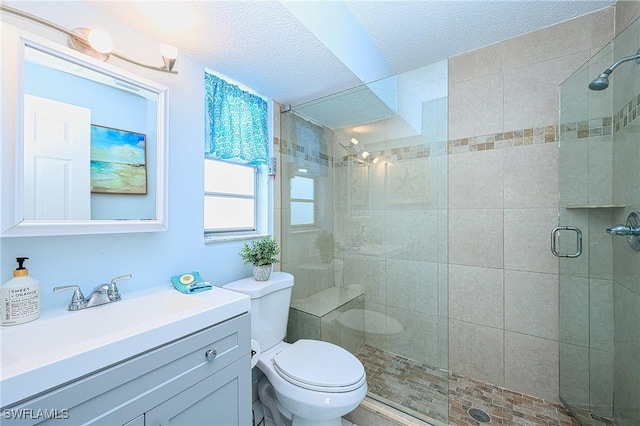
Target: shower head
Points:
x,y
602,82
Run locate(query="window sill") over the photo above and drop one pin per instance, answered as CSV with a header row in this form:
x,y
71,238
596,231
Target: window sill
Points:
x,y
209,239
306,230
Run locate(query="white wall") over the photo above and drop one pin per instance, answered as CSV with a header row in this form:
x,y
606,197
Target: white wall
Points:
x,y
152,258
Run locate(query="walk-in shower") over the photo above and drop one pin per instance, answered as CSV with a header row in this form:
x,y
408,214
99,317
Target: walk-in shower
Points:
x,y
602,81
364,231
599,299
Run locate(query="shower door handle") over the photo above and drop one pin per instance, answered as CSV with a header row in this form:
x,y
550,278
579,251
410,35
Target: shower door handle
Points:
x,y
555,234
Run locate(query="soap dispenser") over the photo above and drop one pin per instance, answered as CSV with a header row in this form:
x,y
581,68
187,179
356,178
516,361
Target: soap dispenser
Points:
x,y
20,297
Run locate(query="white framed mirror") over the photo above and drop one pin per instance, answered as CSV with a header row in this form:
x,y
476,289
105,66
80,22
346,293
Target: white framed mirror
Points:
x,y
84,147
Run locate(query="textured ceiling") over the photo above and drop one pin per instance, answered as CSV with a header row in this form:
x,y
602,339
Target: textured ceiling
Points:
x,y
262,45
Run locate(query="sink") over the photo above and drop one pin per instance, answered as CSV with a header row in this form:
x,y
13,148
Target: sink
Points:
x,y
75,329
65,345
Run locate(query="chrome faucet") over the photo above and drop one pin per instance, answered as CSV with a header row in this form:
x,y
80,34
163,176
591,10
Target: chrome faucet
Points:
x,y
623,230
102,294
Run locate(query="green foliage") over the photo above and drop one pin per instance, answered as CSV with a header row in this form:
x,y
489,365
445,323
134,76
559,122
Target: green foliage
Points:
x,y
325,243
260,252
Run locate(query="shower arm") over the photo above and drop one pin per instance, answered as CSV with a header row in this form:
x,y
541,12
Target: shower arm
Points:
x,y
615,65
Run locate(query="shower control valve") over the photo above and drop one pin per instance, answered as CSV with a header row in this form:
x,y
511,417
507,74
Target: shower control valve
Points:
x,y
631,230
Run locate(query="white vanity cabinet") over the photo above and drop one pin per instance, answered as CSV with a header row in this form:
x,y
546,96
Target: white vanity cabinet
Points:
x,y
179,383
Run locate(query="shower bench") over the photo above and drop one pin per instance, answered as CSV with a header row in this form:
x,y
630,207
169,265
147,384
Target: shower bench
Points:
x,y
318,317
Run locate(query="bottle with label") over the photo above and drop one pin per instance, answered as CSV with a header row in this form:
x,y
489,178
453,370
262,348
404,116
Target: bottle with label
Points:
x,y
20,297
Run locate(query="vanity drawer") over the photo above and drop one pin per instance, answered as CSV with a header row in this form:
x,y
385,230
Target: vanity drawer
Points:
x,y
121,392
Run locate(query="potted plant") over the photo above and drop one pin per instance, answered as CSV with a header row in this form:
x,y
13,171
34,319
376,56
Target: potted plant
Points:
x,y
262,255
325,244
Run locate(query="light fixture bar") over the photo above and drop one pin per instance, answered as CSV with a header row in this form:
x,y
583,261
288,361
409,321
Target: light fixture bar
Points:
x,y
37,19
78,40
163,68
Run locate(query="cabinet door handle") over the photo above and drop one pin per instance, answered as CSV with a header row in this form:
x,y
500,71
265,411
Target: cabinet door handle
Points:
x,y
211,354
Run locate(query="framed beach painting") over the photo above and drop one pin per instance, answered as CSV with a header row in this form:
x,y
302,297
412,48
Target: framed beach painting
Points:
x,y
118,161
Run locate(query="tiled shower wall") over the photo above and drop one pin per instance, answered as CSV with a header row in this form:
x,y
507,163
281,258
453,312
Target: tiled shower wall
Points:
x,y
503,114
503,202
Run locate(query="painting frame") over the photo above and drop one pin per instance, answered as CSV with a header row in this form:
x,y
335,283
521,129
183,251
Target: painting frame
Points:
x,y
118,161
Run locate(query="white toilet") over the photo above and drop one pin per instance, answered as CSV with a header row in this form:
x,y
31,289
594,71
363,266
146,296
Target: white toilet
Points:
x,y
315,382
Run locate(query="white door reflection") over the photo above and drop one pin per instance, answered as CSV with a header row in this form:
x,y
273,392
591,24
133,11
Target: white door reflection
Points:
x,y
56,166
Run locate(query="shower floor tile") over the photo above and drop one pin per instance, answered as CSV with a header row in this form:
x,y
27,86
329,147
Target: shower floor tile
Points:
x,y
436,396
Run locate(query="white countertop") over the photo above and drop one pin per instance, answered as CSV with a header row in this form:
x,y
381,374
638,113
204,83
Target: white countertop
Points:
x,y
64,345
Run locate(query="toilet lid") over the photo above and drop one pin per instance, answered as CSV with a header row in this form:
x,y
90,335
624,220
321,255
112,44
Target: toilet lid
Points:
x,y
318,365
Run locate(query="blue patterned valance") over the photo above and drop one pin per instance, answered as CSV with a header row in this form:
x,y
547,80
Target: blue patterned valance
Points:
x,y
236,122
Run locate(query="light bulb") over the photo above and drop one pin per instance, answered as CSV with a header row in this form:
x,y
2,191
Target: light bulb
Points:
x,y
100,41
354,141
375,160
365,154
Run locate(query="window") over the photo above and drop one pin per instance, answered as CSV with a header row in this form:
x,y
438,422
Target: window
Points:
x,y
229,196
236,152
303,195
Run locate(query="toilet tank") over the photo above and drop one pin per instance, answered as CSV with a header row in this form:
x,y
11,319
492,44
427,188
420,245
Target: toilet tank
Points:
x,y
269,306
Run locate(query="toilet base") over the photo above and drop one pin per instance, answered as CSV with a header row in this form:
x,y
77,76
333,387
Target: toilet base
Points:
x,y
266,420
277,415
271,410
257,413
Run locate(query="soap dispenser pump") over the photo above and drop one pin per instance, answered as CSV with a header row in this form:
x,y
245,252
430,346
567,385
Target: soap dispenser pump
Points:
x,y
20,297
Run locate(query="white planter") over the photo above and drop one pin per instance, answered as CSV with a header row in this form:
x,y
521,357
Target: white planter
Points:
x,y
262,273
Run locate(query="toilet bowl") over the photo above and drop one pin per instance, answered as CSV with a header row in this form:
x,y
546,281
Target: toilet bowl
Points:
x,y
315,383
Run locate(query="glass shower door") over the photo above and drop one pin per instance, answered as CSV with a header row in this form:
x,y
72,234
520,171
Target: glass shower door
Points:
x,y
367,239
599,290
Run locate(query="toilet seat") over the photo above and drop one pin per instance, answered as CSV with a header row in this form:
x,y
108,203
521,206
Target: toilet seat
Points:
x,y
319,366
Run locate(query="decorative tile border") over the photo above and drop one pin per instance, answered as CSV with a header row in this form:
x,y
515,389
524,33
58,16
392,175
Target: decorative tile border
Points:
x,y
604,126
514,138
626,114
586,129
522,137
298,151
394,155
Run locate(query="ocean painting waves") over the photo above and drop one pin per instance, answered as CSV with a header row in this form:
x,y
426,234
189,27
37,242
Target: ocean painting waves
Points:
x,y
118,178
118,163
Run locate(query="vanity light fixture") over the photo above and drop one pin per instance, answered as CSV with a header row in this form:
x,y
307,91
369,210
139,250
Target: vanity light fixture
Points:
x,y
169,55
97,43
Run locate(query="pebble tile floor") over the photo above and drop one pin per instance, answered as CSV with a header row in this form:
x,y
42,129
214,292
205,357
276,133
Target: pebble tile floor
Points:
x,y
426,392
